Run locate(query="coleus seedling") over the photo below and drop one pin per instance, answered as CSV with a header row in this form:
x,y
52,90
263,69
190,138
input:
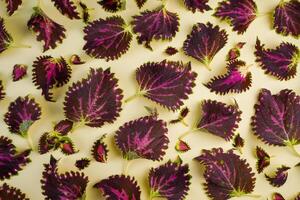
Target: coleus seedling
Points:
x,y
19,72
204,42
95,100
276,119
119,187
226,174
12,6
49,72
286,18
197,5
11,162
280,62
11,193
169,181
239,14
100,150
280,176
145,137
69,185
237,79
46,29
167,83
263,159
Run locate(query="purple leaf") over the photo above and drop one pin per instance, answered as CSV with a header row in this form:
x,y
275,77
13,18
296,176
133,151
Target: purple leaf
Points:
x,y
82,163
85,12
47,142
277,196
11,193
76,60
2,93
140,3
19,72
22,113
183,113
234,53
181,146
280,176
171,51
12,6
263,159
11,162
46,29
68,186
197,5
5,38
280,62
67,146
167,83
145,137
286,18
49,72
107,38
170,181
67,7
276,119
95,100
157,24
238,142
112,5
219,119
226,174
204,42
100,150
237,79
119,187
239,13
63,127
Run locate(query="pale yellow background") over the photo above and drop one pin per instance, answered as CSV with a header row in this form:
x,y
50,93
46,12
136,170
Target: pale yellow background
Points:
x,y
29,178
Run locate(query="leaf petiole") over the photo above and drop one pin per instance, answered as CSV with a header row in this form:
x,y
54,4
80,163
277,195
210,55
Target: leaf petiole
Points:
x,y
20,46
137,94
187,133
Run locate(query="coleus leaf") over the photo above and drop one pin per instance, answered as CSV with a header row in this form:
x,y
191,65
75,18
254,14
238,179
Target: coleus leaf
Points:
x,y
277,196
263,159
22,113
107,38
280,62
63,127
183,113
234,53
47,142
167,83
119,187
237,79
49,72
82,163
12,6
2,93
112,5
226,174
67,7
157,24
46,29
19,72
67,146
100,150
276,119
140,3
5,38
239,14
11,193
76,60
169,181
280,176
286,18
181,146
70,185
85,15
238,142
219,119
11,162
145,137
171,51
197,5
95,100
204,42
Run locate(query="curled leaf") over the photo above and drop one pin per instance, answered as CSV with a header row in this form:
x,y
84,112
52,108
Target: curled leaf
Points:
x,y
145,137
67,7
181,146
85,12
263,159
76,60
183,113
19,72
280,176
100,150
5,38
197,5
280,62
169,181
234,53
47,142
238,142
112,5
11,193
12,6
82,163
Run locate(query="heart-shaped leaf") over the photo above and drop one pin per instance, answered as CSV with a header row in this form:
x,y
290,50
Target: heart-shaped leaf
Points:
x,y
197,5
67,7
11,193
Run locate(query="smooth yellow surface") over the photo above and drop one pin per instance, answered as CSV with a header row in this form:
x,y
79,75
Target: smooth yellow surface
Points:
x,y
28,179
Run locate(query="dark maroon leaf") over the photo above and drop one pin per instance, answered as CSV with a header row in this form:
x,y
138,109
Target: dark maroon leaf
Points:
x,y
49,72
2,93
181,146
280,176
167,83
5,38
263,159
276,119
76,60
238,142
239,13
112,5
85,12
204,42
95,100
82,163
47,142
157,24
234,53
11,193
219,119
145,137
100,150
68,186
183,113
107,38
140,3
119,187
12,6
286,18
170,181
63,127
280,62
226,174
67,146
277,196
19,72
67,7
237,79
46,29
11,162
171,51
22,113
197,5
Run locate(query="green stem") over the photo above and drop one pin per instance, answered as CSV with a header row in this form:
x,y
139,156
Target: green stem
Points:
x,y
263,14
126,166
184,123
292,147
77,125
20,46
29,141
187,133
252,195
132,97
